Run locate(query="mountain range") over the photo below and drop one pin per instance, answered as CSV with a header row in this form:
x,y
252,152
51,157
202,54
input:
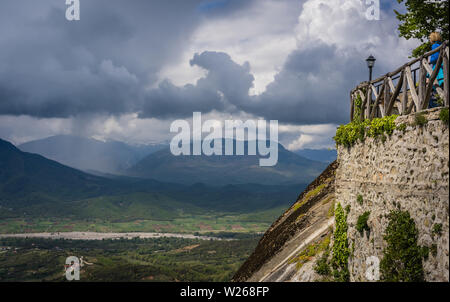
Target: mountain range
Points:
x,y
219,170
37,186
31,178
157,162
89,154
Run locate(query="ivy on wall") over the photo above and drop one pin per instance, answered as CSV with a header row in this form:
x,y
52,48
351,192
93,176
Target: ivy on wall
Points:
x,y
348,135
341,251
402,257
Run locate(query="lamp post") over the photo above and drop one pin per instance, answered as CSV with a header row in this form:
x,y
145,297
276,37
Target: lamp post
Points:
x,y
370,63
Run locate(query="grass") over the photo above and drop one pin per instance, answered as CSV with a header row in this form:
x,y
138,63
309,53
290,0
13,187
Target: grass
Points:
x,y
310,251
331,210
308,196
186,223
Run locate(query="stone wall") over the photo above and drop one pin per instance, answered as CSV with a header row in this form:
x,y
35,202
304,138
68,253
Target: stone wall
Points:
x,y
410,171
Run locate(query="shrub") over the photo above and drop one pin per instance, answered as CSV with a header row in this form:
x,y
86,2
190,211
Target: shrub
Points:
x,y
361,224
443,116
348,135
322,268
437,229
402,127
402,258
380,126
347,209
420,119
359,199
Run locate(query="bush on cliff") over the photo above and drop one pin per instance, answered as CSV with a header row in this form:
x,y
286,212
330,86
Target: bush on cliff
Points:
x,y
402,258
361,224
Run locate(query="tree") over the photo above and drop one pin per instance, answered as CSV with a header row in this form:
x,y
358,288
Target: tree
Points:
x,y
421,19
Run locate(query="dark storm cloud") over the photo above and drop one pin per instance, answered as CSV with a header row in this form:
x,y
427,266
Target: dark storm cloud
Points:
x,y
169,101
102,64
50,67
54,68
224,88
311,88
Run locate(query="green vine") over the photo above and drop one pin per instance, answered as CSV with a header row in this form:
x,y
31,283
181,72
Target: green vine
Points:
x,y
402,259
348,135
358,109
341,251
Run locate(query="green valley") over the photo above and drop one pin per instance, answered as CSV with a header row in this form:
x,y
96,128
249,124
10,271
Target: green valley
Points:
x,y
161,259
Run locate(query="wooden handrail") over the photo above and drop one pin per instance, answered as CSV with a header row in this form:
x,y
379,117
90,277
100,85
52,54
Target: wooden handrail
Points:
x,y
395,98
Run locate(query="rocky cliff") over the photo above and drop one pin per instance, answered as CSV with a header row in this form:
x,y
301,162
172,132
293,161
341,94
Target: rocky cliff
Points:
x,y
390,196
306,223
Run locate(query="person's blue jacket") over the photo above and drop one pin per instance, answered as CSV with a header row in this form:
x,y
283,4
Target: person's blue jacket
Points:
x,y
433,60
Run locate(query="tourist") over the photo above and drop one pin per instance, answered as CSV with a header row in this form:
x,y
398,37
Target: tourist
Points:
x,y
435,40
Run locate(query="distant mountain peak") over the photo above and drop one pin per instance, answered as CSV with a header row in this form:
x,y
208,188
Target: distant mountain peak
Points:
x,y
5,145
226,169
88,153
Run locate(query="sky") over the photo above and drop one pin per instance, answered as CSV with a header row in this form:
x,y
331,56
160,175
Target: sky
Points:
x,y
128,69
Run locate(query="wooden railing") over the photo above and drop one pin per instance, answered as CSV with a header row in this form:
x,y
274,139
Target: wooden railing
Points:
x,y
402,91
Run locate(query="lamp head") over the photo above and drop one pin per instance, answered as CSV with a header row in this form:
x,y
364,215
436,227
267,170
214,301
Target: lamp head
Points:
x,y
370,61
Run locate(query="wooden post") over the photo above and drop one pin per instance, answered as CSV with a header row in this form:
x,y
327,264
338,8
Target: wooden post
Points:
x,y
363,104
386,97
405,94
395,94
377,101
422,86
369,100
412,87
352,106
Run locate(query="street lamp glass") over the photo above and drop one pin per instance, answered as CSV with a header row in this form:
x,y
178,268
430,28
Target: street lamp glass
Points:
x,y
370,61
